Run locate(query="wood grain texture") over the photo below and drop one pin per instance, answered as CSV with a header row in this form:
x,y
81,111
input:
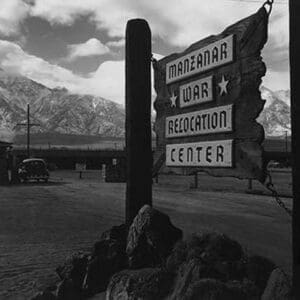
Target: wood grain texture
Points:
x,y
138,117
244,75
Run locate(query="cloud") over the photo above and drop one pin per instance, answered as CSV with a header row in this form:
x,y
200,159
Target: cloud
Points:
x,y
178,22
107,81
109,15
13,59
117,44
61,12
276,80
12,13
91,47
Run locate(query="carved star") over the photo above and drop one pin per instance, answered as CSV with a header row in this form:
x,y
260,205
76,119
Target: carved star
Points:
x,y
173,100
223,86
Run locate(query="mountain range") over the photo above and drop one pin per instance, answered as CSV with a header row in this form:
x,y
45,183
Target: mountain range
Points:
x,y
56,110
59,111
276,117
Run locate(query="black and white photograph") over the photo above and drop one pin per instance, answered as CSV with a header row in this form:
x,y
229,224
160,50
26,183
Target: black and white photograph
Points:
x,y
148,150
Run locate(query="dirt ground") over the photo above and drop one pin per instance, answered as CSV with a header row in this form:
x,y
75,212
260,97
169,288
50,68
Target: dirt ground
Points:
x,y
40,224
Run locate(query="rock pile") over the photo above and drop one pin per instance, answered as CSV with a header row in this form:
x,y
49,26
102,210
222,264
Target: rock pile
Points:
x,y
149,260
213,266
151,238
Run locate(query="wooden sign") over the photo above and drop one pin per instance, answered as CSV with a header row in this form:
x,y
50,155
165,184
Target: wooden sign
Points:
x,y
205,58
205,121
200,154
80,166
196,92
208,100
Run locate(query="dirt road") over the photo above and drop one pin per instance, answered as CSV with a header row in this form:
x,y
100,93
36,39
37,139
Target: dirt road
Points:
x,y
40,224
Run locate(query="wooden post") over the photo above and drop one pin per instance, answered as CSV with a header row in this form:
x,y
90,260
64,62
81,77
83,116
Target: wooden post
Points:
x,y
138,117
196,180
250,184
295,113
14,169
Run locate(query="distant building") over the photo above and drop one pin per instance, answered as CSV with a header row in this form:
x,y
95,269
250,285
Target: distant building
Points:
x,y
4,163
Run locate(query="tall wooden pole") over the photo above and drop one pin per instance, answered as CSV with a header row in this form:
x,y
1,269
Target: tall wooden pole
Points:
x,y
295,113
28,131
28,125
138,117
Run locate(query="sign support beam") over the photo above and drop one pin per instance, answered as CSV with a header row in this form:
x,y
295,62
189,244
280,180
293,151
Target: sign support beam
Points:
x,y
138,117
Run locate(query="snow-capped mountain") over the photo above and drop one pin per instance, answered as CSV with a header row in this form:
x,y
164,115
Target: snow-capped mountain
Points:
x,y
59,111
276,114
56,110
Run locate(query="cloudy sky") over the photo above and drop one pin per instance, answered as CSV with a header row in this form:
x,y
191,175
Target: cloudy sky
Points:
x,y
79,44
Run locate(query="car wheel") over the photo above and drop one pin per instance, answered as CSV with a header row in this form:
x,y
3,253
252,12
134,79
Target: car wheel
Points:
x,y
46,180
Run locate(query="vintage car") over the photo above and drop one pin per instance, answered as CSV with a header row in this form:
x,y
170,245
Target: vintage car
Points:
x,y
33,169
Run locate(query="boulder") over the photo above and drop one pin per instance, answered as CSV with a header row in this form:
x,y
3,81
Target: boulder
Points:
x,y
213,246
205,289
258,270
187,274
45,295
145,283
74,268
193,275
109,257
151,238
97,276
279,286
212,289
67,290
216,255
245,289
99,296
118,233
212,260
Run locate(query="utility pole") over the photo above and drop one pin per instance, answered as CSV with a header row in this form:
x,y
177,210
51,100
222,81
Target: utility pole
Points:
x,y
28,125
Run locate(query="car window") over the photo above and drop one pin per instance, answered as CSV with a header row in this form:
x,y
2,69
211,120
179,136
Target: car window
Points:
x,y
35,165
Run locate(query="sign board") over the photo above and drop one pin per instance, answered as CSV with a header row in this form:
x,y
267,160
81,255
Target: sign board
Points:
x,y
203,59
205,121
208,100
196,92
200,154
